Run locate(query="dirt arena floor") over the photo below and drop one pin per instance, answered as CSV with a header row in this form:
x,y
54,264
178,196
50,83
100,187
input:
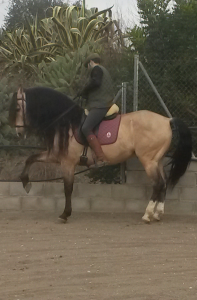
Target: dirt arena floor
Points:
x,y
97,257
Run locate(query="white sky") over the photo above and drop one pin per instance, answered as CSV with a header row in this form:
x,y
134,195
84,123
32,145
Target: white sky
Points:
x,y
126,10
3,6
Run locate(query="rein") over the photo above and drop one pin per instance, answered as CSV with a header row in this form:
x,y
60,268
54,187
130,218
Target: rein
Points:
x,y
58,118
63,114
45,180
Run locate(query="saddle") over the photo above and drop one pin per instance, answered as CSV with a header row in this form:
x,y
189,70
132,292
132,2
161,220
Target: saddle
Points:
x,y
106,132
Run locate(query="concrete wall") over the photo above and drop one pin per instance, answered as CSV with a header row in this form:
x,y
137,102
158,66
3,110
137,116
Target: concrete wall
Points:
x,y
132,196
86,197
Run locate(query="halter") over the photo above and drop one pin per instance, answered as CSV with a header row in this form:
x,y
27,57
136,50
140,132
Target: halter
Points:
x,y
23,108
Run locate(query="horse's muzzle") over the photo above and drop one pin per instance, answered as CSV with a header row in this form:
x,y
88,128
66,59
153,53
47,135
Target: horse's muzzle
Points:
x,y
20,131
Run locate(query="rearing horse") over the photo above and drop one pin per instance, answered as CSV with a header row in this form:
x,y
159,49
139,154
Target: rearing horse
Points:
x,y
144,134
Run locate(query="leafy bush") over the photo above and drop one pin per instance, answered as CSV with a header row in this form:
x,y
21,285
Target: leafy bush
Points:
x,y
6,132
24,49
66,73
67,30
108,174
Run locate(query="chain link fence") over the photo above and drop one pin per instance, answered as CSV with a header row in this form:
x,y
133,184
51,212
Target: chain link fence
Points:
x,y
165,87
168,88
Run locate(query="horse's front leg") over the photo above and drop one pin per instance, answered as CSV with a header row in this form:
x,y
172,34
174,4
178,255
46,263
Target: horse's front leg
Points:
x,y
41,157
25,173
68,177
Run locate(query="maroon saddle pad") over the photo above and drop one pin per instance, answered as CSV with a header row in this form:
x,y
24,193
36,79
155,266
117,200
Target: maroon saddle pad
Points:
x,y
106,132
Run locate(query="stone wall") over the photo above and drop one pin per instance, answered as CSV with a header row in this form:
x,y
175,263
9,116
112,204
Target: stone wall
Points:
x,y
132,196
86,197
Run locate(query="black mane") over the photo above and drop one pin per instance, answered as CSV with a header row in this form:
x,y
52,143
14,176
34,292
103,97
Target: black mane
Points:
x,y
45,105
43,108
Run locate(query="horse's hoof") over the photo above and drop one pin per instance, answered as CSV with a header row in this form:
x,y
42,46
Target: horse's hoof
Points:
x,y
24,180
146,219
156,217
28,187
62,218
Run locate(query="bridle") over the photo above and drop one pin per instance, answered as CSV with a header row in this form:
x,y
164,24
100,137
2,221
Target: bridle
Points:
x,y
22,98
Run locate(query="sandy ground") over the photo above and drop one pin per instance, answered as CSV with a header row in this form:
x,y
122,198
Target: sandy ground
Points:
x,y
97,256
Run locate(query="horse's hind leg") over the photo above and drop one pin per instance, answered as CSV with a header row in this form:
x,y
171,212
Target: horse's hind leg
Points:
x,y
154,173
159,211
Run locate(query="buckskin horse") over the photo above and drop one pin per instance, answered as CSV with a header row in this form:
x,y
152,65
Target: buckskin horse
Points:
x,y
144,134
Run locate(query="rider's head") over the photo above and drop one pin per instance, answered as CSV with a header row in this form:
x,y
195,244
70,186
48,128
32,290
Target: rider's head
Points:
x,y
92,60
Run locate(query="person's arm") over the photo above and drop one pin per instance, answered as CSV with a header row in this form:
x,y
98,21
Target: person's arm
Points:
x,y
94,82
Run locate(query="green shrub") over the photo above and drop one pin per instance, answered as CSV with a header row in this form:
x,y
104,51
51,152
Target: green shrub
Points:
x,y
66,73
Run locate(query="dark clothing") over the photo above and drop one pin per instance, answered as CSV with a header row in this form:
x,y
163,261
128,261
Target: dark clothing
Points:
x,y
99,95
94,81
99,90
94,117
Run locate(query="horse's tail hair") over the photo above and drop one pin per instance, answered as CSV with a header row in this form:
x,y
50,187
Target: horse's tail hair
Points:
x,y
183,153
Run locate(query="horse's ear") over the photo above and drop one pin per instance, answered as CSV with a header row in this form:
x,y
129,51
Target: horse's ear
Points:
x,y
20,92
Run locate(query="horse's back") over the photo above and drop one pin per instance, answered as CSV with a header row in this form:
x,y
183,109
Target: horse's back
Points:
x,y
149,120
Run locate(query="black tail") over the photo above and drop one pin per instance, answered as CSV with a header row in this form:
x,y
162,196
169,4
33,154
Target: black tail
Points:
x,y
183,153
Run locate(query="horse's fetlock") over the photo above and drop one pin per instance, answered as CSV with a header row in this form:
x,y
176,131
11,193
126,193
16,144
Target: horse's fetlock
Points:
x,y
68,213
160,208
146,218
156,216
